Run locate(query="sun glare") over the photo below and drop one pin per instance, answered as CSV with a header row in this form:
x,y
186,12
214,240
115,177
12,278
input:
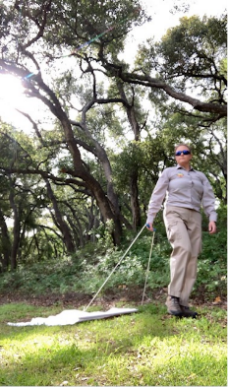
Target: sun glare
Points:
x,y
11,90
12,97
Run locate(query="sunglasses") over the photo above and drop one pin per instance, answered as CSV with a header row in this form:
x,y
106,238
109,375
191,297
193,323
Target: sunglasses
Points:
x,y
185,152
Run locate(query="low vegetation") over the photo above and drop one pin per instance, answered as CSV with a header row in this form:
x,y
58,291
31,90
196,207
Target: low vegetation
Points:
x,y
144,348
87,270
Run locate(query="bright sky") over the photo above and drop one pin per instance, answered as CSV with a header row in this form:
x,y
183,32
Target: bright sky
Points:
x,y
12,97
163,18
11,91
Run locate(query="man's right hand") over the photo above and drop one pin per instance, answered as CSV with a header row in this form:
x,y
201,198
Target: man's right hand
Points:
x,y
149,226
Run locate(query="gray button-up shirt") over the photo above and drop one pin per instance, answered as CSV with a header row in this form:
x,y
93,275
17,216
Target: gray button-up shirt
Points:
x,y
187,189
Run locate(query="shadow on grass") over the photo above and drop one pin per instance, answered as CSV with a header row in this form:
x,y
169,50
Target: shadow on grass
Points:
x,y
144,348
118,364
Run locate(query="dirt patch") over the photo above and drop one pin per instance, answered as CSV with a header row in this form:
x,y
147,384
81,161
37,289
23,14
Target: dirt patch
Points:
x,y
109,299
75,299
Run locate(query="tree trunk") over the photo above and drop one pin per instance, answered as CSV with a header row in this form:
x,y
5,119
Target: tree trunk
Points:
x,y
91,183
6,245
134,200
112,201
16,229
67,237
132,118
105,207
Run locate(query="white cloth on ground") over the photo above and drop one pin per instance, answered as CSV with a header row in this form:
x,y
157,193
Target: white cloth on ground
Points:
x,y
73,316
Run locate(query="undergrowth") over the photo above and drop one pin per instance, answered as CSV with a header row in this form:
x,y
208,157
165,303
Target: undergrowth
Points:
x,y
87,270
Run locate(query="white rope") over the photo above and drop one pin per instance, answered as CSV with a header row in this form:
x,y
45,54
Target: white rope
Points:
x,y
115,268
148,267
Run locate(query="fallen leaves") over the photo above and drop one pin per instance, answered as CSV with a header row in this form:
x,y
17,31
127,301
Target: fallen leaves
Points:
x,y
217,301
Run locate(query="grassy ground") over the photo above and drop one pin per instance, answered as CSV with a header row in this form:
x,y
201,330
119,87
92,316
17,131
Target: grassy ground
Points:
x,y
148,348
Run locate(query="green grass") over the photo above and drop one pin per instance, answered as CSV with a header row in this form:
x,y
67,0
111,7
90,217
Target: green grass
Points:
x,y
145,348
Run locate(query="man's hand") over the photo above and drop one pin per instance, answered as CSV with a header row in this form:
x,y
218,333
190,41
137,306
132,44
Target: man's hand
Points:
x,y
149,226
212,227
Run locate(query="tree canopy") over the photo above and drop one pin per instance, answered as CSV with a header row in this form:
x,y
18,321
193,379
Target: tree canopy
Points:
x,y
95,163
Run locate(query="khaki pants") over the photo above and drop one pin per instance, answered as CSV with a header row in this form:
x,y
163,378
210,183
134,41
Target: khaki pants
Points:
x,y
184,232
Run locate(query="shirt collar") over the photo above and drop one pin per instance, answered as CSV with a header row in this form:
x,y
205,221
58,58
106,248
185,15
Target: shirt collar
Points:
x,y
180,167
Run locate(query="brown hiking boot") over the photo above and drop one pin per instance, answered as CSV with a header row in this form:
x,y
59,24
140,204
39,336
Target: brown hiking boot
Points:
x,y
173,306
187,312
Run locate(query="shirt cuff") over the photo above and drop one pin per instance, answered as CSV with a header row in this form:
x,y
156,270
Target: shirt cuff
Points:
x,y
150,219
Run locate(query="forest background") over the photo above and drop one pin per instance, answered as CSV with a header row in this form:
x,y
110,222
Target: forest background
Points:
x,y
75,187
